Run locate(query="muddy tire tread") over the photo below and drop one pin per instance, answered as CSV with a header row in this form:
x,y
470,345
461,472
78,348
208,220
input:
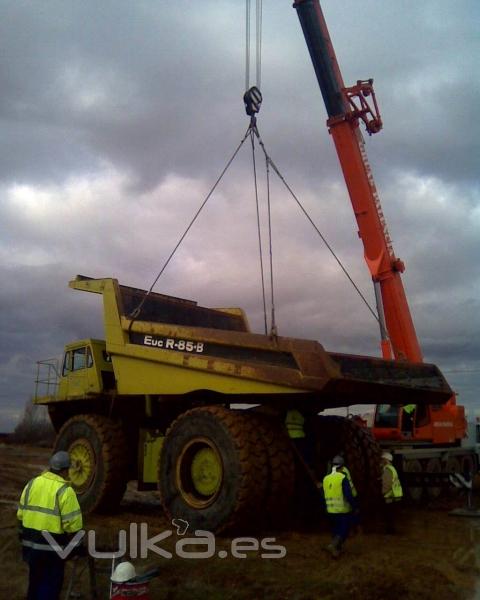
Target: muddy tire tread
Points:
x,y
113,446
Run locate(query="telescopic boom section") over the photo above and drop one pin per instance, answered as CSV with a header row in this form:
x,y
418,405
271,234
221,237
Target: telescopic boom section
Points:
x,y
345,108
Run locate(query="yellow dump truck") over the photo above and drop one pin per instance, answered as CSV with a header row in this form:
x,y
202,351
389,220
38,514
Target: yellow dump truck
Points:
x,y
155,402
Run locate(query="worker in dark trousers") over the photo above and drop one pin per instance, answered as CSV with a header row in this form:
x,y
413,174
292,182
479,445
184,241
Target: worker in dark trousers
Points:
x,y
294,422
408,418
392,493
295,425
340,505
48,503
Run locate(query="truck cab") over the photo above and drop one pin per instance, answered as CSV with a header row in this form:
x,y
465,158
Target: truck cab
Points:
x,y
86,370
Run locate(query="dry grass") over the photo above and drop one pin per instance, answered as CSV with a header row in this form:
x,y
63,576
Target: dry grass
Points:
x,y
34,427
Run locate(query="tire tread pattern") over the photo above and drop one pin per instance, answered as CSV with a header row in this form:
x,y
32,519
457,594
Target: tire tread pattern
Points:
x,y
113,448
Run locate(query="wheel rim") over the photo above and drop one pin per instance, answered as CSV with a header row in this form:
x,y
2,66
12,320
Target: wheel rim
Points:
x,y
82,469
199,472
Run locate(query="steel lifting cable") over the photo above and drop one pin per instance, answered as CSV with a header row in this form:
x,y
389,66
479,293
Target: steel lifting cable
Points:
x,y
303,209
258,42
136,312
247,44
260,245
258,54
273,326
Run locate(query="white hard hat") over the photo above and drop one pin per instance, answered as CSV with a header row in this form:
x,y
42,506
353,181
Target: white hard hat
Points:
x,y
125,571
60,460
387,456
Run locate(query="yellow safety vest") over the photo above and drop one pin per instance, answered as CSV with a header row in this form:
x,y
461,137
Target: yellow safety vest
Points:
x,y
48,503
334,498
409,408
396,491
350,481
294,422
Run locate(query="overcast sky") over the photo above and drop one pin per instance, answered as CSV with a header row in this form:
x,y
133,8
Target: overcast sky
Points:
x,y
116,118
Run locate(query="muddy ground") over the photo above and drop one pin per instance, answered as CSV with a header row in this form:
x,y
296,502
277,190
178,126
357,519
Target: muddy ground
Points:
x,y
435,555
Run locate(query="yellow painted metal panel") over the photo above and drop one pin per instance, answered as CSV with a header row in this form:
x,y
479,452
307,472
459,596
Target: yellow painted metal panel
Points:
x,y
139,376
152,448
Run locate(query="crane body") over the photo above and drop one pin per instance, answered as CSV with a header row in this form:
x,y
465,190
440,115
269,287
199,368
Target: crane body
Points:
x,y
347,108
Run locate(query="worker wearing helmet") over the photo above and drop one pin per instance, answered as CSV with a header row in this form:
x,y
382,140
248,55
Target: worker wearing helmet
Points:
x,y
408,418
295,424
391,490
340,503
48,503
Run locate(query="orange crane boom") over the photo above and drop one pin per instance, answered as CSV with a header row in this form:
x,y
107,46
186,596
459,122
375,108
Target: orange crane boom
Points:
x,y
346,107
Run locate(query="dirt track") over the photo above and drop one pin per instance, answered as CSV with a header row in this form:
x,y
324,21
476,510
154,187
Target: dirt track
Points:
x,y
434,556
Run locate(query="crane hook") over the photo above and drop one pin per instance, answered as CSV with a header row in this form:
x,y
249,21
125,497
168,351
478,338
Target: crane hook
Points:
x,y
253,100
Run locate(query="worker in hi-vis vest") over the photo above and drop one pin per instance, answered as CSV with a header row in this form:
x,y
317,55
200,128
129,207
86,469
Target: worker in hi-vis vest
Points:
x,y
392,492
48,504
340,504
295,424
408,418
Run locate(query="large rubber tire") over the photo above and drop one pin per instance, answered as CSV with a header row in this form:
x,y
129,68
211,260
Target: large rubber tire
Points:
x,y
102,441
338,435
231,440
280,470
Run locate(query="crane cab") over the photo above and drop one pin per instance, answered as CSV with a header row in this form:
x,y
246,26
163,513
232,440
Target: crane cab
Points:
x,y
427,424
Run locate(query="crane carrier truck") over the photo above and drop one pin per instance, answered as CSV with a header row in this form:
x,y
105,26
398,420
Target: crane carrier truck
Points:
x,y
428,441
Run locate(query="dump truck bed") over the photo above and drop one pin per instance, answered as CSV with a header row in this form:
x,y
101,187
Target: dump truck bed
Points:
x,y
164,345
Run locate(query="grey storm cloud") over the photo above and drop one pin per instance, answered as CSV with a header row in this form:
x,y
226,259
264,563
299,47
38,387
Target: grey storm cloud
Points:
x,y
117,117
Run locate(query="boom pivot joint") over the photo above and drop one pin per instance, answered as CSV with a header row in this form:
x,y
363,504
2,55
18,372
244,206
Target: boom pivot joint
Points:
x,y
361,104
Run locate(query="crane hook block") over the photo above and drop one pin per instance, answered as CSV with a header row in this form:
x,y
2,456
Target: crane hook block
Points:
x,y
253,100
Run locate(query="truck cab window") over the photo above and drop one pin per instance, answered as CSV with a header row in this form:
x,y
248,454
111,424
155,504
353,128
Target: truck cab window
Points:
x,y
82,358
386,416
67,363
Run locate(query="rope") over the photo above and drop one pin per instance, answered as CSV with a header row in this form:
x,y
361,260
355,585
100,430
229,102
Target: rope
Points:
x,y
252,138
136,312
